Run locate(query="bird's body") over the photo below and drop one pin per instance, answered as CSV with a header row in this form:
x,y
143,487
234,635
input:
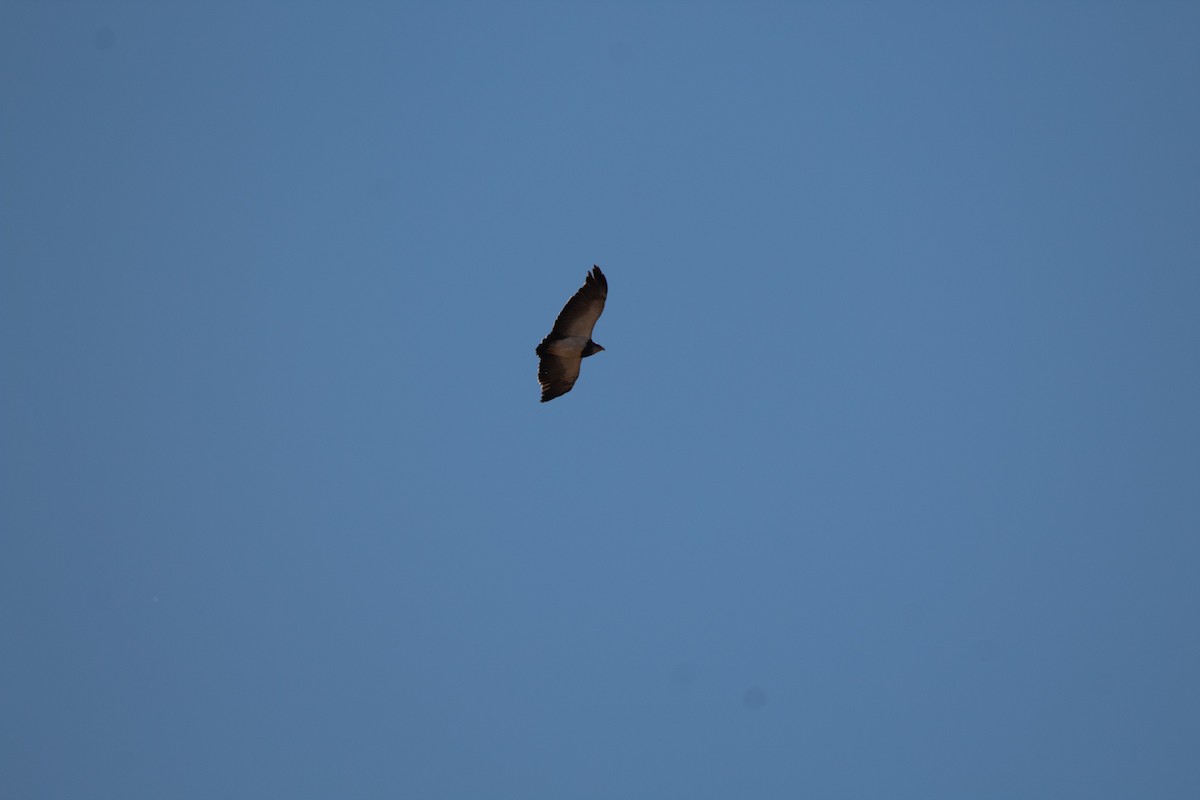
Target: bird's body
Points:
x,y
569,347
561,352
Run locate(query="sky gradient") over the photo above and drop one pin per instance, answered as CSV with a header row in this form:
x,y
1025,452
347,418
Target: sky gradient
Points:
x,y
887,484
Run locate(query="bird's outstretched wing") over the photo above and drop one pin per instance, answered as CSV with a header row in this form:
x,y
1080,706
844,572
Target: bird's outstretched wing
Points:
x,y
557,374
579,315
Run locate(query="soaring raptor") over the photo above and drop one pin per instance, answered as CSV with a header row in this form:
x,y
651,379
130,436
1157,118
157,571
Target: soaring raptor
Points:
x,y
570,342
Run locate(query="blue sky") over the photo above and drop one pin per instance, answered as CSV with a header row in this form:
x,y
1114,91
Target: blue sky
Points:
x,y
886,485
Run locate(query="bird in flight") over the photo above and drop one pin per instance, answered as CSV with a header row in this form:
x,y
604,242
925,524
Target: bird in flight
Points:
x,y
570,342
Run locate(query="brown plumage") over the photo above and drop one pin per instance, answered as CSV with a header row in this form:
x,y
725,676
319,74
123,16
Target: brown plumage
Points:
x,y
570,342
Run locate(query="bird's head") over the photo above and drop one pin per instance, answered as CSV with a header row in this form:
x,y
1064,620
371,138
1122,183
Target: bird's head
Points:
x,y
591,348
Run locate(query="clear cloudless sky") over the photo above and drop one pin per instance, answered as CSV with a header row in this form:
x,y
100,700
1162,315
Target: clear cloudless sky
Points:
x,y
887,484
